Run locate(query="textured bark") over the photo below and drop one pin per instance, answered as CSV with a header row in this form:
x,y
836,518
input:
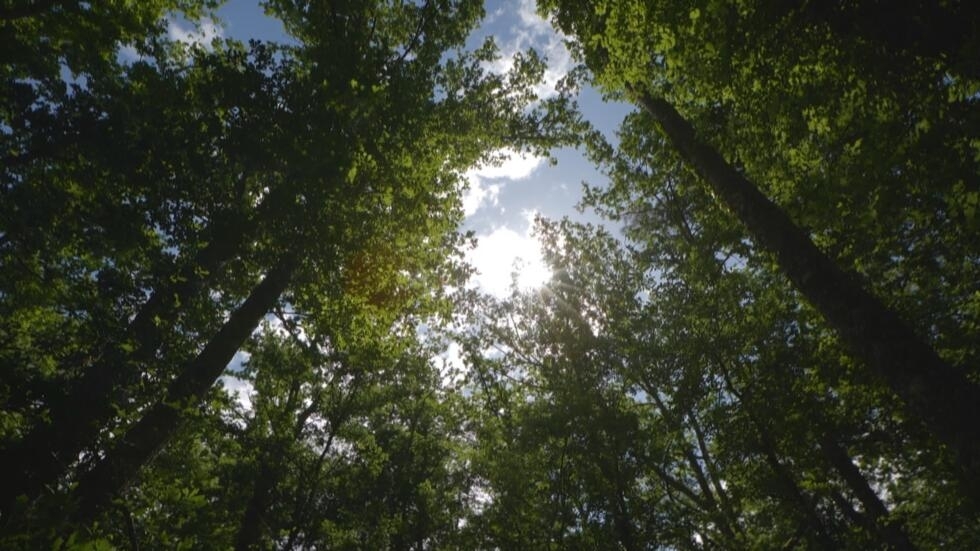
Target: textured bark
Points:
x,y
47,451
148,436
934,391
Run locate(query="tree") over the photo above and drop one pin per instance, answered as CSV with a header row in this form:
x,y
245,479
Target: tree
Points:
x,y
645,409
330,186
45,39
721,65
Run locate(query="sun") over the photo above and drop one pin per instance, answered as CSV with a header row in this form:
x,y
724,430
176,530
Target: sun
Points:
x,y
531,273
503,254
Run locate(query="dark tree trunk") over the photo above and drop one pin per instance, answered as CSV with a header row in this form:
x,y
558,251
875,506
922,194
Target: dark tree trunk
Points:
x,y
707,499
148,436
893,534
934,391
48,450
253,525
812,524
251,528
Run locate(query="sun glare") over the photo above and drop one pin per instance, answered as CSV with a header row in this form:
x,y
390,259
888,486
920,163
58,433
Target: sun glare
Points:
x,y
502,254
532,273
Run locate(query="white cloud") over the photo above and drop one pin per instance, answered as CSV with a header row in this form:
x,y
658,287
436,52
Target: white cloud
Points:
x,y
452,367
512,165
240,389
533,31
495,15
128,53
527,10
203,34
504,252
477,193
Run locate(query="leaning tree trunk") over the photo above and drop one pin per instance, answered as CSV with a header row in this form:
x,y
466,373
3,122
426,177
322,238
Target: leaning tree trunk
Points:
x,y
892,532
934,391
252,528
147,437
49,449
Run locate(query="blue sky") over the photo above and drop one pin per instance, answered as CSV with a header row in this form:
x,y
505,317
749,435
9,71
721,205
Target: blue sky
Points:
x,y
502,200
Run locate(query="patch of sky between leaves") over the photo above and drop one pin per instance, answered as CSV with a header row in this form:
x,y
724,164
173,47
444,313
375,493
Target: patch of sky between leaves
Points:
x,y
508,254
237,19
192,34
242,389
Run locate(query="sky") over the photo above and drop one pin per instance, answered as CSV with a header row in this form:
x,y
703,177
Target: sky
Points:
x,y
502,201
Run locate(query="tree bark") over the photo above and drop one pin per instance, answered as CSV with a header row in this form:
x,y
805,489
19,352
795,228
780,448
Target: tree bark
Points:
x,y
934,391
251,528
147,437
893,534
712,472
48,450
710,504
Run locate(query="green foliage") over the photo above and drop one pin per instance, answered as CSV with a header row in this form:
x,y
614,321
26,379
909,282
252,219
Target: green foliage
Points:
x,y
667,390
839,125
143,200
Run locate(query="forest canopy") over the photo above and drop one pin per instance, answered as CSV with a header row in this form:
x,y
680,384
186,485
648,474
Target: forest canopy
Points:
x,y
772,342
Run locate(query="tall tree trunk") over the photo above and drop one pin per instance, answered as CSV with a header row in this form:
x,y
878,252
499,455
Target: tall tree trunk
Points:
x,y
623,522
706,498
893,534
251,528
712,471
813,524
148,436
48,450
934,391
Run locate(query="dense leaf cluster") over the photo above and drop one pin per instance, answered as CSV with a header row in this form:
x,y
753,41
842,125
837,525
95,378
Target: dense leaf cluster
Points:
x,y
229,270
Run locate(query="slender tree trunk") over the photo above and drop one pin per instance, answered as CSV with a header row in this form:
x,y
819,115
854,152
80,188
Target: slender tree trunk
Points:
x,y
876,521
712,472
934,391
147,437
813,523
251,528
710,504
804,503
48,450
893,534
624,522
